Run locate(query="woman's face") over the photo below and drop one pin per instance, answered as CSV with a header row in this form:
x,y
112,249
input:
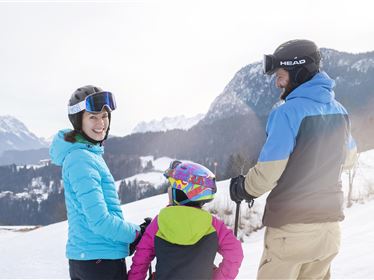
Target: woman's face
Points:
x,y
95,125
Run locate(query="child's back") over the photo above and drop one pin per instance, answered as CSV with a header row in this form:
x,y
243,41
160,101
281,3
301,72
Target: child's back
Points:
x,y
185,239
185,243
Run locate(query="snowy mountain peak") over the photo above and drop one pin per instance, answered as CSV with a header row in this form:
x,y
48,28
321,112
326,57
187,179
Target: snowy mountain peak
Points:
x,y
168,123
363,65
14,135
252,91
10,124
242,95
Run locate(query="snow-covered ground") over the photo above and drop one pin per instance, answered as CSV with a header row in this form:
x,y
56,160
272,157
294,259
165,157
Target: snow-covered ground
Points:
x,y
154,177
159,164
40,253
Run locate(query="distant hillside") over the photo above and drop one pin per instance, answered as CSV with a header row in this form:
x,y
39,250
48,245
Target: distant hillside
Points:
x,y
23,157
204,143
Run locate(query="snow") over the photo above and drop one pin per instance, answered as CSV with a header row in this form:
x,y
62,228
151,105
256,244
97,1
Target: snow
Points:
x,y
22,195
154,178
12,231
168,123
145,160
9,143
35,254
40,253
256,68
14,135
363,65
363,187
36,188
117,184
228,104
356,255
6,234
10,124
159,164
40,189
5,193
162,163
343,62
42,163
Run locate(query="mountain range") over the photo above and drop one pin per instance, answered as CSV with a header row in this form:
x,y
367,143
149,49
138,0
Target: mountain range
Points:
x,y
235,121
20,146
241,109
251,90
230,134
14,135
168,123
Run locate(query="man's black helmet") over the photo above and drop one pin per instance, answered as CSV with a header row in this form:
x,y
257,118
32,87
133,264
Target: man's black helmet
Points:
x,y
79,95
301,58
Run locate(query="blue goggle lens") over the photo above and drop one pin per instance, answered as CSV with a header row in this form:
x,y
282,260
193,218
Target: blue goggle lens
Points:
x,y
97,101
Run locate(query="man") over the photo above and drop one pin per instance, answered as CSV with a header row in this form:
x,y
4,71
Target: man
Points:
x,y
308,144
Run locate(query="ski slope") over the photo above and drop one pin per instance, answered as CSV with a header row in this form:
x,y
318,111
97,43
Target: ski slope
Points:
x,y
40,253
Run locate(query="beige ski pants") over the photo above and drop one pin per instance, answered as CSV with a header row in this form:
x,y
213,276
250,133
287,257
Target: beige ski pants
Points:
x,y
299,251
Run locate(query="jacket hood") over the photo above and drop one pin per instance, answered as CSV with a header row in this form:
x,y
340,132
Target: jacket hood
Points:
x,y
319,88
60,148
184,225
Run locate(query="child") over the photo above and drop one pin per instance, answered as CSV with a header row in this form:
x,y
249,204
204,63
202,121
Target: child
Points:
x,y
183,237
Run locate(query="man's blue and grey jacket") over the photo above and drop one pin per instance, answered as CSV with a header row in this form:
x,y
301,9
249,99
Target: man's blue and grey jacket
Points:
x,y
308,144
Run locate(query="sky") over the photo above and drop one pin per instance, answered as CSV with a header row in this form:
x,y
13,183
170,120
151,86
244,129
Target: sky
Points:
x,y
159,58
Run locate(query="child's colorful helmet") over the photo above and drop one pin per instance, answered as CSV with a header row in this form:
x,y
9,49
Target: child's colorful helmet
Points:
x,y
191,183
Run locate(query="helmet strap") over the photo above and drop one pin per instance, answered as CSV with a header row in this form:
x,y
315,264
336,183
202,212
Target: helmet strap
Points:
x,y
174,196
89,139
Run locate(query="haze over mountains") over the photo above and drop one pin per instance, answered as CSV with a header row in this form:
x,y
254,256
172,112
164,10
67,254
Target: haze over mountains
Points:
x,y
229,135
251,94
168,123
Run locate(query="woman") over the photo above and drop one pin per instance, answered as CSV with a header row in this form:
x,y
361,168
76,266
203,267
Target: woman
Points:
x,y
99,236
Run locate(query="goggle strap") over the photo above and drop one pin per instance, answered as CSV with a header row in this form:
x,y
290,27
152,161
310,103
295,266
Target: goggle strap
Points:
x,y
270,63
76,108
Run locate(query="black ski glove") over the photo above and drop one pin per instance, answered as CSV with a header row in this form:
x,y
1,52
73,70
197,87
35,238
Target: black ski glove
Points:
x,y
142,226
238,192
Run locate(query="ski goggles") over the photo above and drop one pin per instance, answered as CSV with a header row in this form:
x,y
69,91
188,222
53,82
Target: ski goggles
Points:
x,y
94,103
270,63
